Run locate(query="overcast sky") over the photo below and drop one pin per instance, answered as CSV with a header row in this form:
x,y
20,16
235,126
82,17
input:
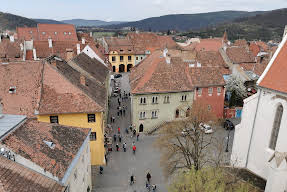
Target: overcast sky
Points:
x,y
128,10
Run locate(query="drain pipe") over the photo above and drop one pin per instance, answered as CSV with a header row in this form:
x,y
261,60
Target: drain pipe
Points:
x,y
254,120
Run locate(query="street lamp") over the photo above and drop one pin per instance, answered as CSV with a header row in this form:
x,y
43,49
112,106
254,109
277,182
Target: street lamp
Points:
x,y
229,129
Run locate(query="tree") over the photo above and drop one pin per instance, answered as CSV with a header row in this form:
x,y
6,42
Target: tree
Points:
x,y
208,179
183,144
237,89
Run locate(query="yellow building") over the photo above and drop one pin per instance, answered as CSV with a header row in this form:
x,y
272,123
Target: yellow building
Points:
x,y
122,61
72,96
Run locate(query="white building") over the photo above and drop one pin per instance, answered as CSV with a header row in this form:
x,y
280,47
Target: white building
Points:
x,y
260,139
93,53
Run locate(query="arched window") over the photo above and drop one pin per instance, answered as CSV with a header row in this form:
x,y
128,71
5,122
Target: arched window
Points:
x,y
187,112
177,113
144,100
276,127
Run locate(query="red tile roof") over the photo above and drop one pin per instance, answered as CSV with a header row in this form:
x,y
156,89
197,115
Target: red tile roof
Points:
x,y
155,75
206,76
57,32
274,76
26,77
10,51
15,177
27,33
28,141
240,55
257,68
59,95
240,43
212,44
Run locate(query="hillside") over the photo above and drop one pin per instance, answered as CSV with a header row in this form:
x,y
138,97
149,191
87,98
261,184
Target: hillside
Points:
x,y
266,26
47,21
90,23
184,22
10,21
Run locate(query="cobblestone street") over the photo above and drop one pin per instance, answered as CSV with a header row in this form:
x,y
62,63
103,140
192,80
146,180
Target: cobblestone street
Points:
x,y
121,165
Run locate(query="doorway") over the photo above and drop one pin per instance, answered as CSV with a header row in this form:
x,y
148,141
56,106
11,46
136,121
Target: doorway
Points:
x,y
141,128
129,67
122,68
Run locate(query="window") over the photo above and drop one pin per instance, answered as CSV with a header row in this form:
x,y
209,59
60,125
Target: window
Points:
x,y
43,33
276,127
91,118
183,98
55,33
70,33
210,90
154,100
199,91
129,58
166,99
142,115
154,114
121,50
141,58
137,58
113,58
121,58
187,114
93,136
177,113
142,100
209,107
65,33
218,89
12,89
54,119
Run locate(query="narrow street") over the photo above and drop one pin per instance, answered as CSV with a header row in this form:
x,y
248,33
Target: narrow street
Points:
x,y
121,165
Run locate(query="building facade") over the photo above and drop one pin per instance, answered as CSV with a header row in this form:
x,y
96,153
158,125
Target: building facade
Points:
x,y
259,140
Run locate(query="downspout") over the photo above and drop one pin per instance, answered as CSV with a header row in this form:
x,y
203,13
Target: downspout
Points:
x,y
254,120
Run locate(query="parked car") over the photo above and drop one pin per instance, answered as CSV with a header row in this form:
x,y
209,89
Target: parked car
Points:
x,y
206,128
117,75
228,125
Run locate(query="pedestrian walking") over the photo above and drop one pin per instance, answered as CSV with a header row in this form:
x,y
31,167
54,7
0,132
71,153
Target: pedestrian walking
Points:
x,y
117,147
132,180
134,132
134,149
118,113
121,112
120,95
120,138
148,177
124,111
101,170
138,135
131,127
119,130
125,147
115,138
127,131
113,119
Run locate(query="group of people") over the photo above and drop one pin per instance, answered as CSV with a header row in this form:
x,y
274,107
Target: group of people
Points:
x,y
149,186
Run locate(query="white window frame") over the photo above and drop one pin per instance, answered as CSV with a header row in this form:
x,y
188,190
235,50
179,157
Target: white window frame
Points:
x,y
210,92
199,91
219,88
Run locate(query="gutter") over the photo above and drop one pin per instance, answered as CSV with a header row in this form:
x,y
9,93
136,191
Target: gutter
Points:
x,y
254,120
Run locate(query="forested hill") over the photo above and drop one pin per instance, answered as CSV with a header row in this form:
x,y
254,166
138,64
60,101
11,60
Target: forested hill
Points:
x,y
184,22
266,26
10,21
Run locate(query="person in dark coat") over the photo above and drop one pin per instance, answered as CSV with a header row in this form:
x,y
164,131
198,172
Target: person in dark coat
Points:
x,y
117,147
148,177
120,138
115,137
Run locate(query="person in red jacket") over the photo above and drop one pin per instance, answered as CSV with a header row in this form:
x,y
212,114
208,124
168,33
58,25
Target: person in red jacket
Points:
x,y
134,149
119,130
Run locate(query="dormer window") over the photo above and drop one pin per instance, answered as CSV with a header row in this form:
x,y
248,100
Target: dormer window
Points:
x,y
121,50
70,33
43,33
56,33
65,33
12,89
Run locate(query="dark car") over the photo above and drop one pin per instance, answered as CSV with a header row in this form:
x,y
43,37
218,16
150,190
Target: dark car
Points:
x,y
228,125
117,75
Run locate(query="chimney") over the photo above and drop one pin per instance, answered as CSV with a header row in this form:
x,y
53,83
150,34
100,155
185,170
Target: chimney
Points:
x,y
82,80
1,107
12,38
78,49
50,43
83,40
91,34
69,54
34,54
165,51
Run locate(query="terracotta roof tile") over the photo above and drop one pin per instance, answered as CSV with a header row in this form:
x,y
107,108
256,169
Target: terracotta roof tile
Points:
x,y
154,74
206,76
27,33
63,93
58,32
10,51
28,141
275,74
212,44
21,180
26,77
240,55
240,43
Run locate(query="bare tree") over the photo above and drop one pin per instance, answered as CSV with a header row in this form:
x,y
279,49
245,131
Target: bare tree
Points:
x,y
183,143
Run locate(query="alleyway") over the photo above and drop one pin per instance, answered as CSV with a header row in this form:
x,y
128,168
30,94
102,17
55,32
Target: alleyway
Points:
x,y
121,165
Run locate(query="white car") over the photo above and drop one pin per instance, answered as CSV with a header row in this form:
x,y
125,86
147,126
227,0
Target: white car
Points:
x,y
206,128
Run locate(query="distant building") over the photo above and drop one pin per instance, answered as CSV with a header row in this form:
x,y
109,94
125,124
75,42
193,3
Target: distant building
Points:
x,y
43,157
260,139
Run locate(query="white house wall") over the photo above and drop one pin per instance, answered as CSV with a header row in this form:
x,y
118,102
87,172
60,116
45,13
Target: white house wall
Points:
x,y
90,52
